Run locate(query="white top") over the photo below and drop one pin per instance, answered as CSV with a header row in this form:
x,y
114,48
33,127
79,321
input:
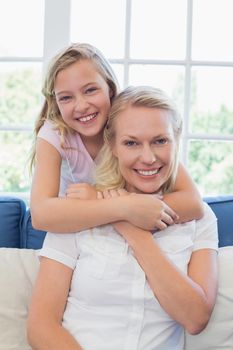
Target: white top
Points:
x,y
110,303
77,165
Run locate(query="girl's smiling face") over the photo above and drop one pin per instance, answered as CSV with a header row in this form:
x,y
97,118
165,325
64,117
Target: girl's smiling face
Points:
x,y
145,147
83,98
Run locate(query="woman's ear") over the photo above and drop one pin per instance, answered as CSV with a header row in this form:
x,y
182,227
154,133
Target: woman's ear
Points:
x,y
110,93
113,149
114,152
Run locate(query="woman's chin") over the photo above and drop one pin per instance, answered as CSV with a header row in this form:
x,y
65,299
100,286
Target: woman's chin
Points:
x,y
143,189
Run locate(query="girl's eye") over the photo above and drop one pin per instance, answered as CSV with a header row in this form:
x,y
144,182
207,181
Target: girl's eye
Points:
x,y
64,98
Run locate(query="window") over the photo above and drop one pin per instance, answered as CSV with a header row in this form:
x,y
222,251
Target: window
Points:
x,y
181,46
21,55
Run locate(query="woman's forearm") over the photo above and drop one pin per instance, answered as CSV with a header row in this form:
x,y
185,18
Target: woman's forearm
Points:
x,y
51,337
182,298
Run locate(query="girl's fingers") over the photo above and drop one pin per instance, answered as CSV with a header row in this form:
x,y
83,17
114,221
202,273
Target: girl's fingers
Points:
x,y
106,194
167,219
122,192
172,214
100,195
113,193
110,193
161,225
168,211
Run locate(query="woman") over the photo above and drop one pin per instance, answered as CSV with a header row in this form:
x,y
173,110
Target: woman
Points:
x,y
123,287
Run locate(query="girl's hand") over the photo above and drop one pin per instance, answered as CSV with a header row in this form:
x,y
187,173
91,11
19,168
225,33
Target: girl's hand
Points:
x,y
149,212
81,191
146,211
114,193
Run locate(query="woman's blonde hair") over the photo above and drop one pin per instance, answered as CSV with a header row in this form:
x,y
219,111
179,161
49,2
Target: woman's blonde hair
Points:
x,y
108,175
67,57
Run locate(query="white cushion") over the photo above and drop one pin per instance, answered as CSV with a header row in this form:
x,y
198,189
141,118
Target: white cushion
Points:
x,y
219,332
18,268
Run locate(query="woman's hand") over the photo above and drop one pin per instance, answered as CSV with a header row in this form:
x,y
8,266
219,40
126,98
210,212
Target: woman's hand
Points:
x,y
130,232
81,191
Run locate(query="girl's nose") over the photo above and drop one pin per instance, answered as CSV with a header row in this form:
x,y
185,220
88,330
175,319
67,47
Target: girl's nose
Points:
x,y
81,104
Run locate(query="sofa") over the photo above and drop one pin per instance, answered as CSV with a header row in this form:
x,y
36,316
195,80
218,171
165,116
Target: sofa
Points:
x,y
19,245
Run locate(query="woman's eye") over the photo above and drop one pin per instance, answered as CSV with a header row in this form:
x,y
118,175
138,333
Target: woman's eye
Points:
x,y
161,141
130,143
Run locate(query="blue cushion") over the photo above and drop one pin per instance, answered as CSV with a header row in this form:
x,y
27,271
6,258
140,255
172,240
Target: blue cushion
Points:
x,y
223,209
12,212
16,229
31,238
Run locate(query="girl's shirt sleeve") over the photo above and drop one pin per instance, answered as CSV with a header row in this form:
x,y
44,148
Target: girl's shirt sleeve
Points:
x,y
48,133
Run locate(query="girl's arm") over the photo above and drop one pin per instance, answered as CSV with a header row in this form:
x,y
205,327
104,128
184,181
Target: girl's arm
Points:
x,y
185,200
187,299
47,307
51,213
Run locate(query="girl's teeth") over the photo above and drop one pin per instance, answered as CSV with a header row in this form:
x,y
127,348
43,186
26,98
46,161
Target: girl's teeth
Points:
x,y
148,172
86,119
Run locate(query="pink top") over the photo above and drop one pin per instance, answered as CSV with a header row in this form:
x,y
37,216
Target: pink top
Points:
x,y
77,164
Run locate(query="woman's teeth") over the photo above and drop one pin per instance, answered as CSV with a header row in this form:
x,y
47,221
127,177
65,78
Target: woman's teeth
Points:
x,y
148,172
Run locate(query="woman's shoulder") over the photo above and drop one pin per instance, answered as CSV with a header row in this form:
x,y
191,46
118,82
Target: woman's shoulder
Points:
x,y
209,215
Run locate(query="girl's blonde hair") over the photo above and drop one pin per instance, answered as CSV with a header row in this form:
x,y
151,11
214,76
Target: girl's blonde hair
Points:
x,y
67,57
108,175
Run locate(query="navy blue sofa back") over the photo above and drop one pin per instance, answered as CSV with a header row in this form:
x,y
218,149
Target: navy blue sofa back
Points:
x,y
16,229
223,209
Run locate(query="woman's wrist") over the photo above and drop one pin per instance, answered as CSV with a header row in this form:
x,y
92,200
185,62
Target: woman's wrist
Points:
x,y
137,238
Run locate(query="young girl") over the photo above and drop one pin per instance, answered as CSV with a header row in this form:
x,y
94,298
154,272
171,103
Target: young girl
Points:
x,y
98,290
79,89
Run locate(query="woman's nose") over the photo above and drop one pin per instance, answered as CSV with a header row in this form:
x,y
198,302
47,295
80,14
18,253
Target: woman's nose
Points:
x,y
148,156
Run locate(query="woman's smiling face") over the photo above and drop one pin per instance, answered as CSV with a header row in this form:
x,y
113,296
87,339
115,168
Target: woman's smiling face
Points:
x,y
145,147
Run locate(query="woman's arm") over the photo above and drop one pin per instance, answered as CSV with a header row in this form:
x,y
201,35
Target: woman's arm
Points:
x,y
49,298
51,213
187,299
185,200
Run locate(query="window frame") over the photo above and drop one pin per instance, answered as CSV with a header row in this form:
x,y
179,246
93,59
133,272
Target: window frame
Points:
x,y
57,18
